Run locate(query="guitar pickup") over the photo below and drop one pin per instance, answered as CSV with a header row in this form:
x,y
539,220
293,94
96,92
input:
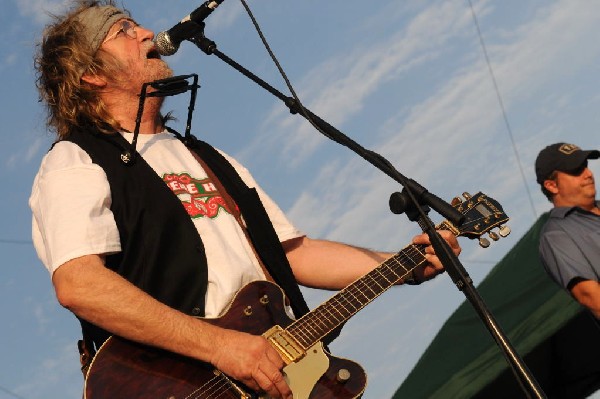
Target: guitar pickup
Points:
x,y
289,349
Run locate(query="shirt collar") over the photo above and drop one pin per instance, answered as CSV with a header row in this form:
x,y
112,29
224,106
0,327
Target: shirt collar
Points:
x,y
562,212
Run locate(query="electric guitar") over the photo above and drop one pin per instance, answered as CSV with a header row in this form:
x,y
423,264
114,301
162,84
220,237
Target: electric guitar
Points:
x,y
125,369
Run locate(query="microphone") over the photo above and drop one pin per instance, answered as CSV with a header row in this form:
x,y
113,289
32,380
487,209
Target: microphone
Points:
x,y
167,42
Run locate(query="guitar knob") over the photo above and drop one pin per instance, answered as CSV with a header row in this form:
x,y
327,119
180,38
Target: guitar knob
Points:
x,y
467,195
494,236
484,242
343,375
504,231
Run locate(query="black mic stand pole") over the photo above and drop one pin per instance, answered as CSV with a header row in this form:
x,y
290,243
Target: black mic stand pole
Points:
x,y
414,200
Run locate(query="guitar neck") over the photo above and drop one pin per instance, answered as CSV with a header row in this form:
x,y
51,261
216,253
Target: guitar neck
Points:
x,y
314,326
481,214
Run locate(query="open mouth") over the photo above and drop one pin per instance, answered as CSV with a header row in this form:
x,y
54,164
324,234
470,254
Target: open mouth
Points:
x,y
153,54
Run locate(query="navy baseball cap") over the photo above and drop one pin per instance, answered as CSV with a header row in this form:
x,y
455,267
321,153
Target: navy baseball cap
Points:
x,y
562,157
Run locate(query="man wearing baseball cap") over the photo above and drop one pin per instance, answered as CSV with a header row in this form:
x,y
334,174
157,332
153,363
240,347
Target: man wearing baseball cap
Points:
x,y
570,240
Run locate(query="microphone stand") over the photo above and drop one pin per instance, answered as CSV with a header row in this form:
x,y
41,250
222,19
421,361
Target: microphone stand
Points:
x,y
415,201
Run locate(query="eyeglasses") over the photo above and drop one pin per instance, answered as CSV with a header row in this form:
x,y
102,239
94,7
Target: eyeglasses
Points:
x,y
127,27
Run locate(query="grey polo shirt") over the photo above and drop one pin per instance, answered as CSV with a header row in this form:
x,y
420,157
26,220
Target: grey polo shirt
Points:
x,y
570,245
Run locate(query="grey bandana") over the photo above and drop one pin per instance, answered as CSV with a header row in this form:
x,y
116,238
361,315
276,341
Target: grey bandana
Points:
x,y
96,22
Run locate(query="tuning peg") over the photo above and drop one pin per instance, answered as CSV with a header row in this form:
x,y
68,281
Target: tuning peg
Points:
x,y
455,201
467,195
504,230
494,236
484,242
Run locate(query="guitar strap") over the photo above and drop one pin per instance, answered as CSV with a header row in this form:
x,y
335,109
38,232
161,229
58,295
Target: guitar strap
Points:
x,y
233,209
255,221
86,346
282,276
257,227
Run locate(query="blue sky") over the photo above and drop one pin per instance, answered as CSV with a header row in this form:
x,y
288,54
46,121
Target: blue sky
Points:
x,y
406,79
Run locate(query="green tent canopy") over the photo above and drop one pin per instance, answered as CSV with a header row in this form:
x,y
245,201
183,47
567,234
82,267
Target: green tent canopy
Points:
x,y
539,319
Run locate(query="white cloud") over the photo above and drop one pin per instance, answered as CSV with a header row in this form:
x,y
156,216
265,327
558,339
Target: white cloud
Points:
x,y
449,135
339,87
25,156
55,375
9,59
40,10
459,124
225,16
454,138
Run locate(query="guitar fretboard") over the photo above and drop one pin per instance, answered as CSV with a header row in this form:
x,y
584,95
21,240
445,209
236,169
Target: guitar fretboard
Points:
x,y
481,214
315,325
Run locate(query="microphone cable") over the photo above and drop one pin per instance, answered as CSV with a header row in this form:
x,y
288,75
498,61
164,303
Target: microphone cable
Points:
x,y
281,71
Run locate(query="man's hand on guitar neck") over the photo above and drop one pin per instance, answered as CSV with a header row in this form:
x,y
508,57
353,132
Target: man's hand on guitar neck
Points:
x,y
434,266
251,360
333,265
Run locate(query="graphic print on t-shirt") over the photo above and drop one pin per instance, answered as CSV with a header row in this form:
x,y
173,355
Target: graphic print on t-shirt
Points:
x,y
199,197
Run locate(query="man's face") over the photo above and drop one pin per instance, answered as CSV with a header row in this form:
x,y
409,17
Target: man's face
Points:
x,y
131,45
573,188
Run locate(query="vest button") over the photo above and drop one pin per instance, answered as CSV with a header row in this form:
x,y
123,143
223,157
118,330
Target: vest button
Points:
x,y
196,311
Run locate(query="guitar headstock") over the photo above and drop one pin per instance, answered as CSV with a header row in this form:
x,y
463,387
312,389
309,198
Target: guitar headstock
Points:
x,y
482,215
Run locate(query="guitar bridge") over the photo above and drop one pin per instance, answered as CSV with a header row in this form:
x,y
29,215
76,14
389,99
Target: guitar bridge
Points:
x,y
289,349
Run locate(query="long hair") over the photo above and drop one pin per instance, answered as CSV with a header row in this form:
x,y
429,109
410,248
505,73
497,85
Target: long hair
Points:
x,y
62,57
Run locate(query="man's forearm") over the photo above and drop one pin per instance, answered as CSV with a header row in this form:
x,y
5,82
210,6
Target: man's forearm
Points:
x,y
330,265
587,293
104,298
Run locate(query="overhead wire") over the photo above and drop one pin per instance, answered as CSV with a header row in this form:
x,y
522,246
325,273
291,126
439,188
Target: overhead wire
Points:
x,y
487,59
498,95
282,73
492,76
500,101
502,108
490,69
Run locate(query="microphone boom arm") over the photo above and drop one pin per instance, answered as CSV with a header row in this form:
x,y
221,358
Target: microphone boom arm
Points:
x,y
442,207
419,199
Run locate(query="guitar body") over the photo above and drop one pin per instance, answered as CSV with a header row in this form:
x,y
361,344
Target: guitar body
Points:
x,y
124,369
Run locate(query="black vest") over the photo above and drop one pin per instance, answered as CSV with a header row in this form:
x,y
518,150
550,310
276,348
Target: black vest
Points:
x,y
161,250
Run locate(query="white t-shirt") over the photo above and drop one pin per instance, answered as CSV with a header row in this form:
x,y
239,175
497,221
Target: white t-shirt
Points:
x,y
71,203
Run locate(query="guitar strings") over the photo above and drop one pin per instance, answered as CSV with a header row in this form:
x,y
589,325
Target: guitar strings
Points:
x,y
358,290
347,303
217,387
310,328
315,325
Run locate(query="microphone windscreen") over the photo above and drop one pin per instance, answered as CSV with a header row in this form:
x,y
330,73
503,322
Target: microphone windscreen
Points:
x,y
163,44
167,42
